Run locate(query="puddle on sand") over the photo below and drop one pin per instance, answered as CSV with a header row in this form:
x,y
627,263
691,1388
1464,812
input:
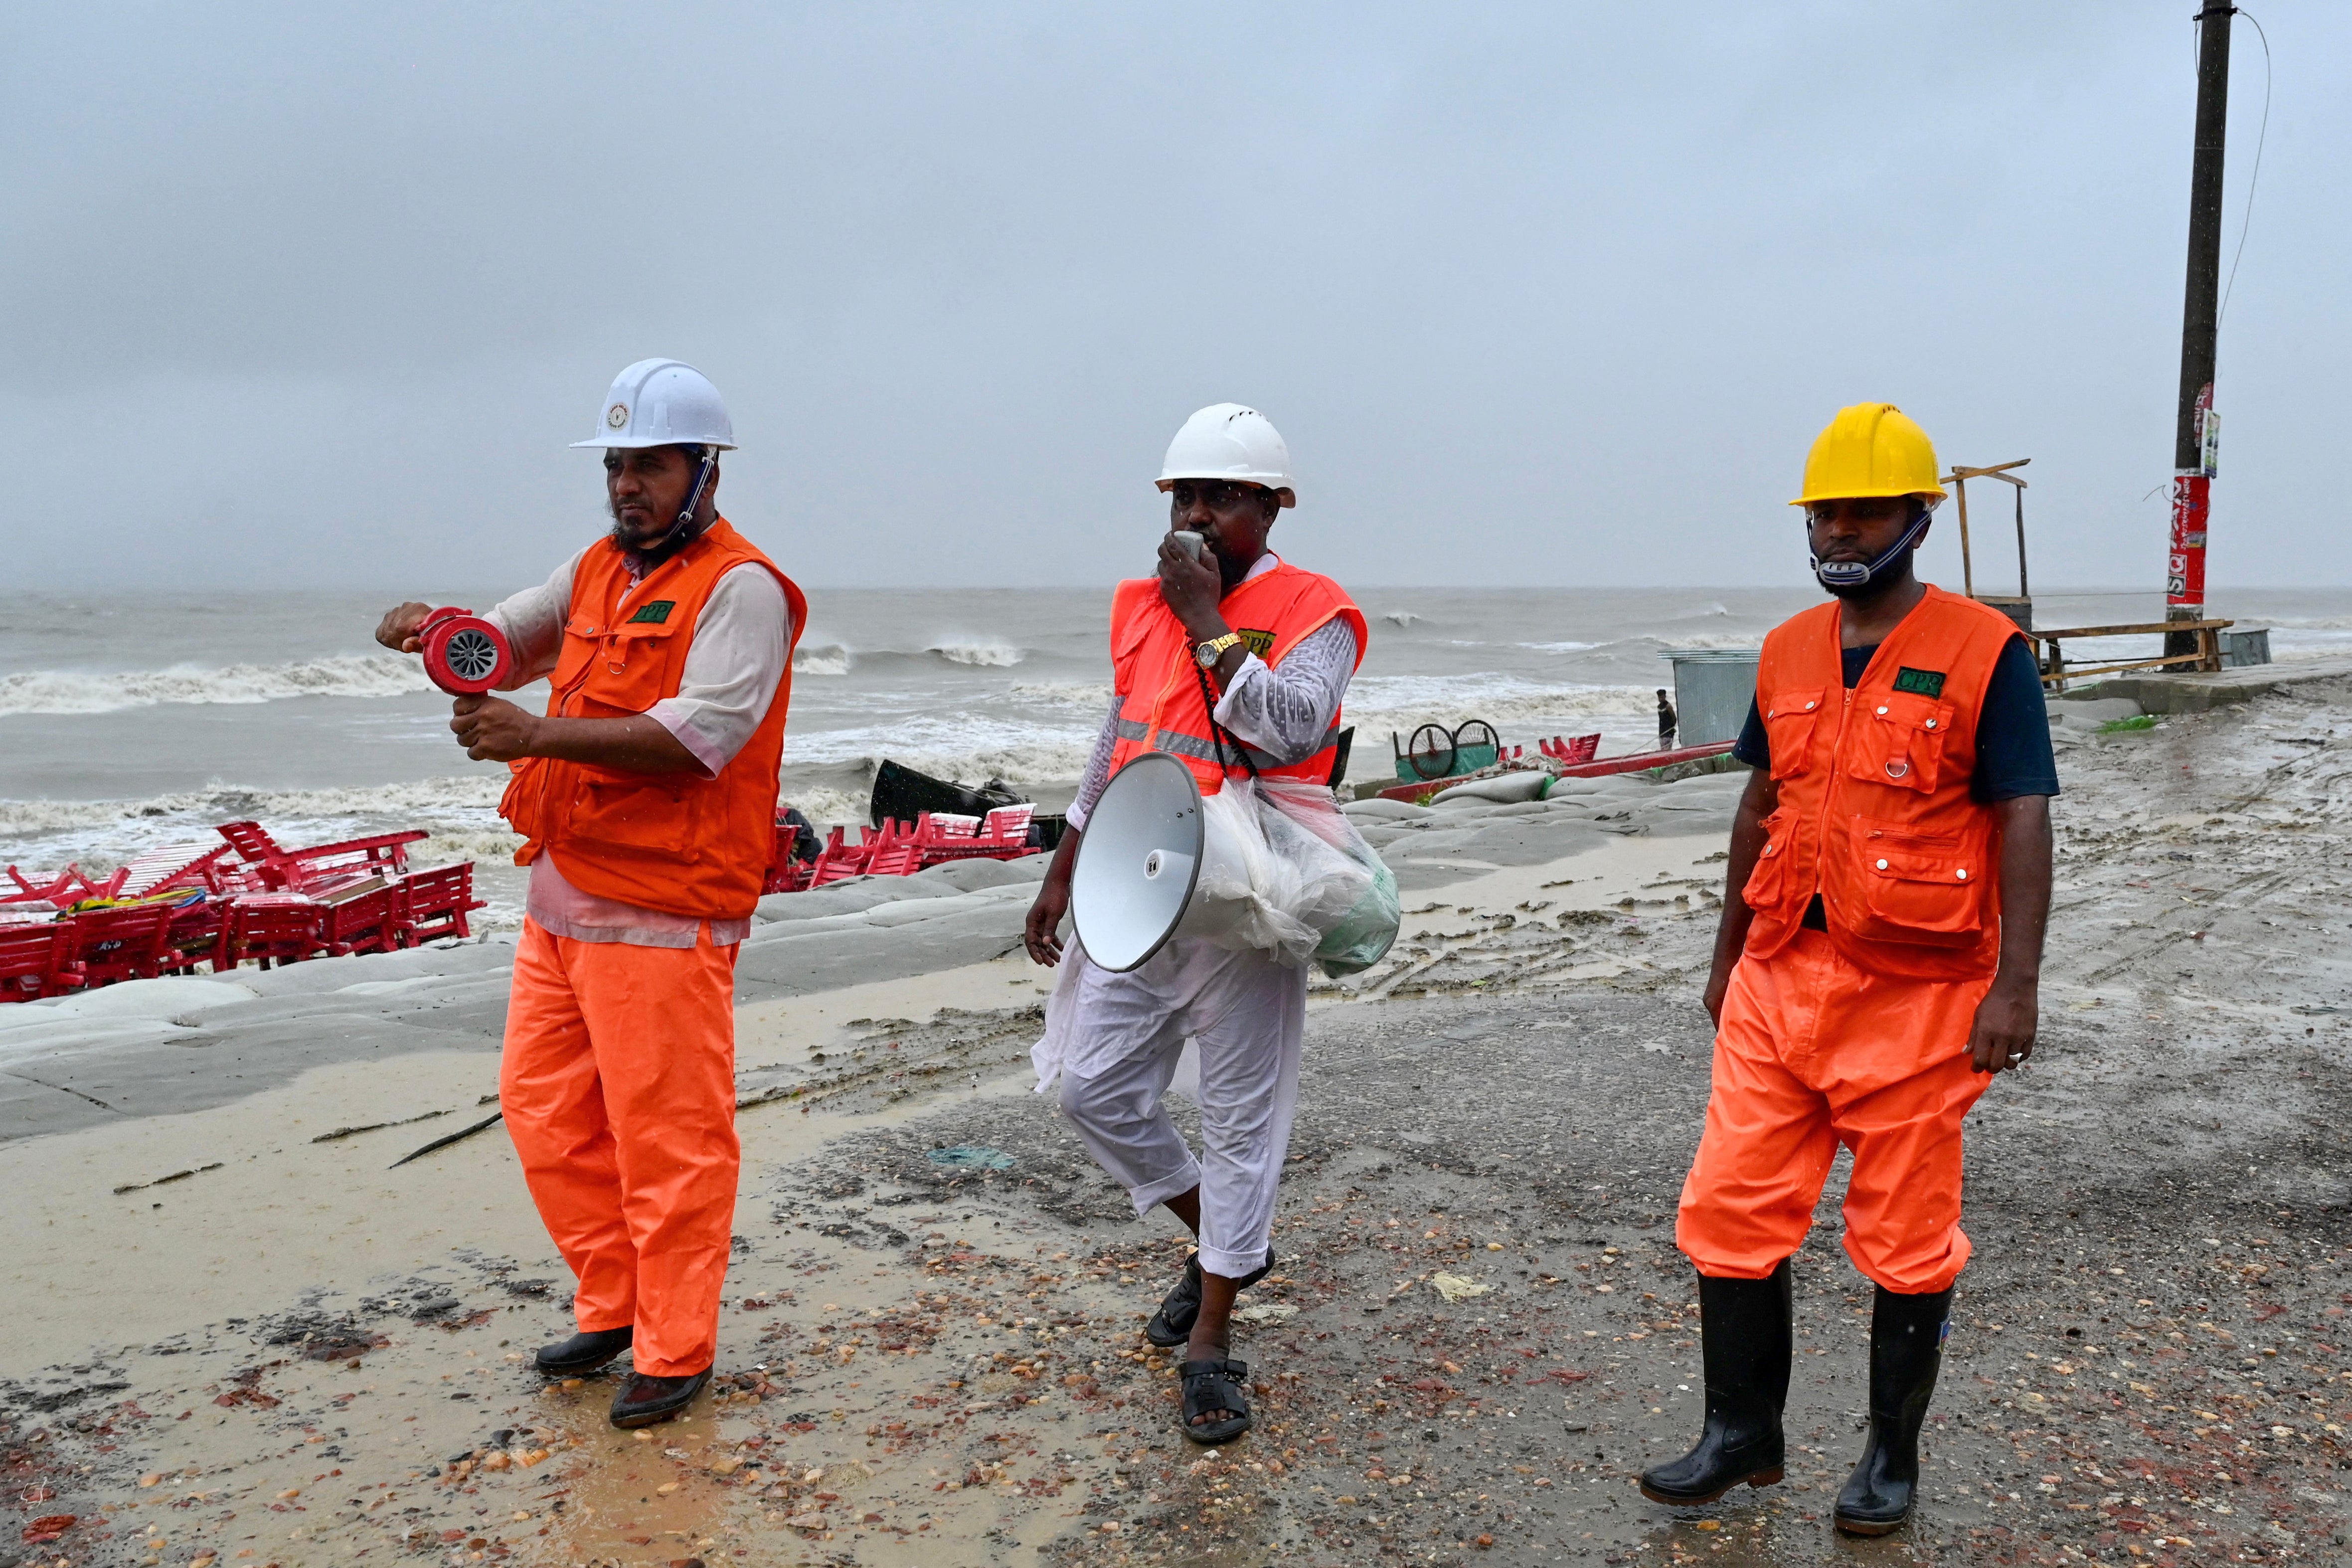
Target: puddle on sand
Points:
x,y
634,1497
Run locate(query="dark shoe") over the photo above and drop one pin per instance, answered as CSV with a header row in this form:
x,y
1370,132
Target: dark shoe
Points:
x,y
583,1352
1906,1347
643,1400
1744,1328
1214,1388
1173,1324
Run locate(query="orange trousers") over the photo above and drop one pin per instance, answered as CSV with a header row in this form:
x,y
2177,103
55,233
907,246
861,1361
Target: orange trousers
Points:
x,y
618,1085
1812,1052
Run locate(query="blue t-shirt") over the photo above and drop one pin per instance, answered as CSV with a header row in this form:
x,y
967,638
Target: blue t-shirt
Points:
x,y
2014,756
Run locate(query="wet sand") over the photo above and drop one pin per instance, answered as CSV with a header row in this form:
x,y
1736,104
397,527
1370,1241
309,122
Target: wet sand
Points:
x,y
930,1352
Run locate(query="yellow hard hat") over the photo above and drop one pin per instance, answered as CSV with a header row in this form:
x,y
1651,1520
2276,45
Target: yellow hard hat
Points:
x,y
1870,449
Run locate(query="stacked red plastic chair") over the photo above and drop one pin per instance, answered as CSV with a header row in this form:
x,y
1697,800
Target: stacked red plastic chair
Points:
x,y
268,927
36,961
432,905
125,942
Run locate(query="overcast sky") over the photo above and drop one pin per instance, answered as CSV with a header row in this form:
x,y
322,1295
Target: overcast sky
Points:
x,y
1545,294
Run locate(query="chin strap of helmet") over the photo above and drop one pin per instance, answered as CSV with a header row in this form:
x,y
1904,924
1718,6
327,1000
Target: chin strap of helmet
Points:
x,y
681,533
1849,575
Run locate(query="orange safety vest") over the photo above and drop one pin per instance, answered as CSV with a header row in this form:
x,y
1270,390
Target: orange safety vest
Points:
x,y
676,842
1161,705
1875,813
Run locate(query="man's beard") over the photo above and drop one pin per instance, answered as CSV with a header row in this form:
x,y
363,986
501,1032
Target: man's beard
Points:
x,y
643,559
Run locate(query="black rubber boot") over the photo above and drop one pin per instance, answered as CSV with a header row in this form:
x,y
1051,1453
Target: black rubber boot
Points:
x,y
582,1353
643,1400
1744,1328
1906,1346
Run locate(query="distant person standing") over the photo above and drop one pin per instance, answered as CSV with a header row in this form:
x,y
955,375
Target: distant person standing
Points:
x,y
1668,722
1878,960
1233,661
646,799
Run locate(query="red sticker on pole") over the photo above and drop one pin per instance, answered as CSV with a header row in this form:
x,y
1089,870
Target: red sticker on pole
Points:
x,y
465,655
2185,563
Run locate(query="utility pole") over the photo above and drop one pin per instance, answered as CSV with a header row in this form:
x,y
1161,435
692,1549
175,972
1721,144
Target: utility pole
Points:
x,y
2195,429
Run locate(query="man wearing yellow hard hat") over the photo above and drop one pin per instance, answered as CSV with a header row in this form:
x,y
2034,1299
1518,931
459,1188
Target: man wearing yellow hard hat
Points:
x,y
1877,961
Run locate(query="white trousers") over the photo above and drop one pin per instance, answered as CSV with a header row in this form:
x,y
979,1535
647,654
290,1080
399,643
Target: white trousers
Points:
x,y
1120,1038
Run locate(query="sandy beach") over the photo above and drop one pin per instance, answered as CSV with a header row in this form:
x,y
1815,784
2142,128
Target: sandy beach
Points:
x,y
238,1337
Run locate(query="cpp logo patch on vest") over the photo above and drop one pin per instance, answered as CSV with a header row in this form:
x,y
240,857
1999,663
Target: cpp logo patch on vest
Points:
x,y
1257,643
657,613
1925,682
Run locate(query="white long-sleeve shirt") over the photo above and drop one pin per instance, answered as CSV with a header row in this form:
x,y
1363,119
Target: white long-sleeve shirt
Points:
x,y
733,667
1285,712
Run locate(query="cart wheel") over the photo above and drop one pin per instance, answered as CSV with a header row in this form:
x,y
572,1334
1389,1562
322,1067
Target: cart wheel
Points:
x,y
1425,752
464,654
1477,732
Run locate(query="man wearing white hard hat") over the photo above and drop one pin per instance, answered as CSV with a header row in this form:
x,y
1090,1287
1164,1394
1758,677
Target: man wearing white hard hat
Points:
x,y
647,796
1235,662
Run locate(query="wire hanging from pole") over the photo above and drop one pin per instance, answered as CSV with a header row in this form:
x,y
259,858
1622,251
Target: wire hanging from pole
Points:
x,y
2252,178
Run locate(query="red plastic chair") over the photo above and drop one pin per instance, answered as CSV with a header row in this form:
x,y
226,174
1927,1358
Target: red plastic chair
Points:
x,y
431,905
841,859
898,851
169,866
299,869
1002,835
192,933
364,920
37,961
124,943
268,927
60,891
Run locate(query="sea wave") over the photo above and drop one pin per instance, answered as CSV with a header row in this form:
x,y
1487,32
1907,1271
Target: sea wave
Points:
x,y
78,691
1706,639
1094,696
983,653
823,659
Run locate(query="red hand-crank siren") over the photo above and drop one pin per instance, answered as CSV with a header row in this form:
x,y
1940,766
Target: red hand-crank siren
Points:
x,y
464,654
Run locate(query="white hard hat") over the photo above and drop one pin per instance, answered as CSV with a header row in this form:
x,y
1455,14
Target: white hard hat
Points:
x,y
662,402
1228,441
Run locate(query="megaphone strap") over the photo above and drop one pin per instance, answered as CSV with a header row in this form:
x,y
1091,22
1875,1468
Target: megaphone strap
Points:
x,y
1217,733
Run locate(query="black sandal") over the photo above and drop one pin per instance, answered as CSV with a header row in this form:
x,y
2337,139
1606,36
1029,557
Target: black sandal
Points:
x,y
1173,1324
1211,1386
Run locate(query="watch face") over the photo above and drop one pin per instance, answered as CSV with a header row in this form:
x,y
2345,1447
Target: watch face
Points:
x,y
1207,653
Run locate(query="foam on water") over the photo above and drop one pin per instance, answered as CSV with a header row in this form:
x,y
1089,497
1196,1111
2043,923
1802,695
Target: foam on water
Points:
x,y
71,691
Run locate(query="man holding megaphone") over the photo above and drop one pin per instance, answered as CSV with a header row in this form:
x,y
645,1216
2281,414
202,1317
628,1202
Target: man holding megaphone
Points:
x,y
1235,662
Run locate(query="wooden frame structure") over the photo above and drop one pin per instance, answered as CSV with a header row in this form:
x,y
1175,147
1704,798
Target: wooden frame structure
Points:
x,y
2021,608
2055,672
2207,659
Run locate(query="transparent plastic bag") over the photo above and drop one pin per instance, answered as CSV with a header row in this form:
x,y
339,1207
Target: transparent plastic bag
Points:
x,y
1362,936
1281,885
1350,895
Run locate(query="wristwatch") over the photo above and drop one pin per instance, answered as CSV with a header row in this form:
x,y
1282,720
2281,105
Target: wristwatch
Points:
x,y
1209,652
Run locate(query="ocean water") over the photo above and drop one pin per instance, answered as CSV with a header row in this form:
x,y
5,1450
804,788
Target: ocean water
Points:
x,y
128,720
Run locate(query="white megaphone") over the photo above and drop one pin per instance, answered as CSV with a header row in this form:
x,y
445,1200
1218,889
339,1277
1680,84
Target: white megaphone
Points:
x,y
1147,848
